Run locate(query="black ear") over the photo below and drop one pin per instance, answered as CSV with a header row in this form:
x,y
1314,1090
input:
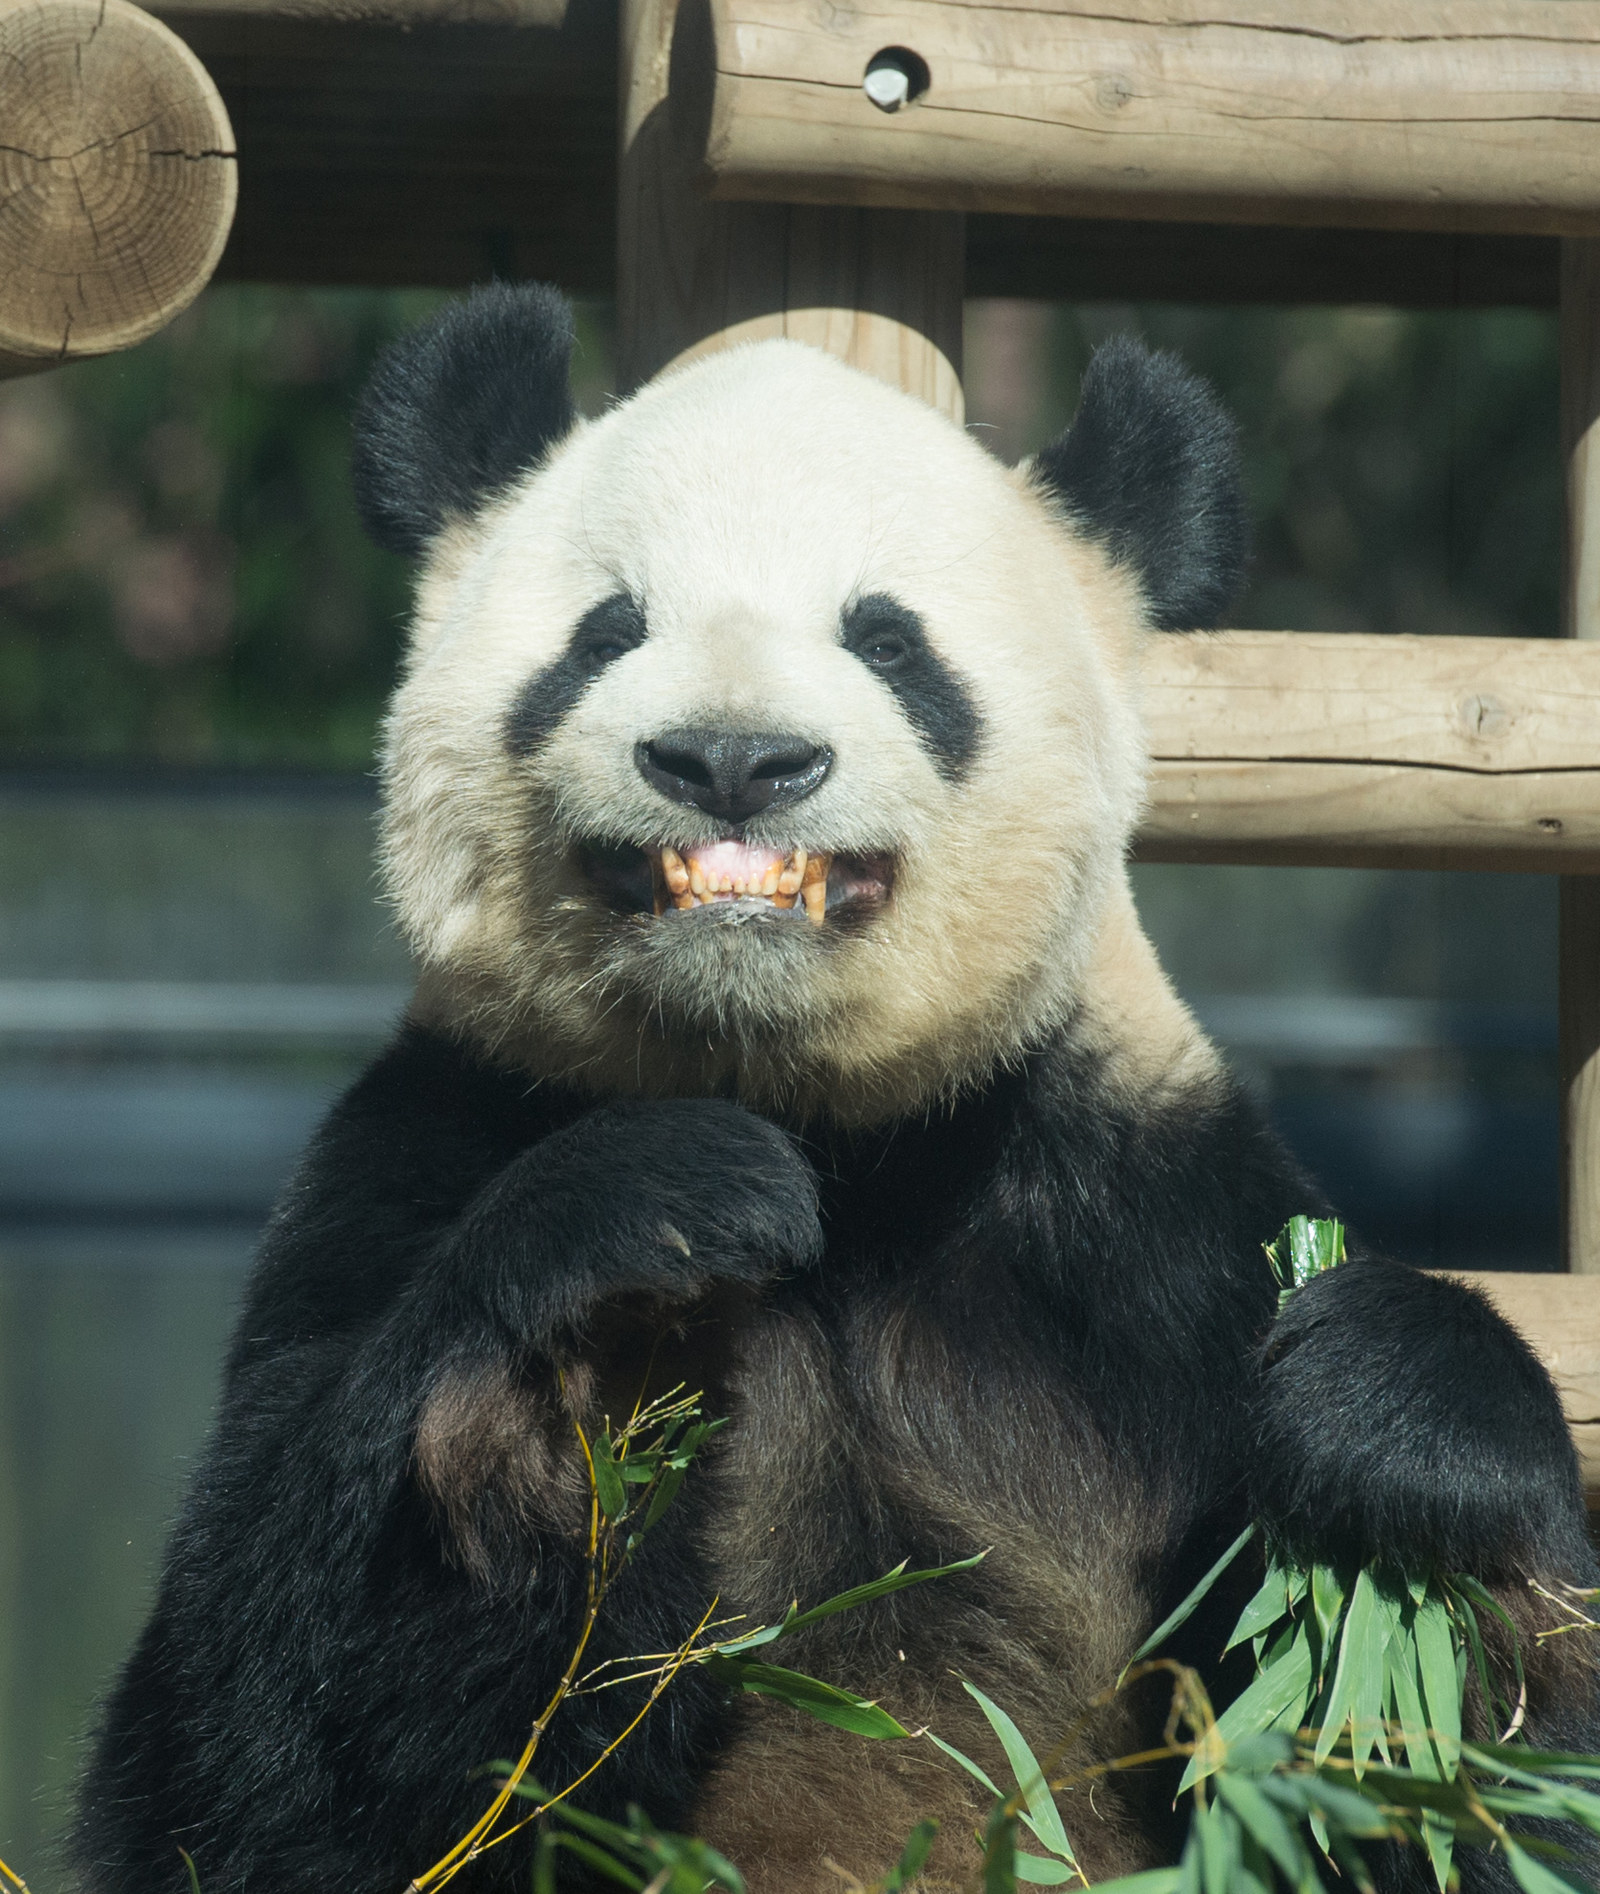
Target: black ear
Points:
x,y
458,408
1150,467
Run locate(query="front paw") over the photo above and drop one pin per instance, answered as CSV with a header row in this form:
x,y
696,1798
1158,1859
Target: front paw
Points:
x,y
660,1200
1400,1419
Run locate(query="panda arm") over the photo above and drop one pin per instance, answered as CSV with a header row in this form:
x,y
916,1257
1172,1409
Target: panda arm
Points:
x,y
347,1627
1402,1420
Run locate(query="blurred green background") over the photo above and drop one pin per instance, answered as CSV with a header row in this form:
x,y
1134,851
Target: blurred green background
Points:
x,y
195,647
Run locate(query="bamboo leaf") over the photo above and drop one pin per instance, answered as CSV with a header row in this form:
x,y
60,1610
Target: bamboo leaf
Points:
x,y
1044,1816
1270,1603
1184,1611
1277,1694
894,1581
1218,1831
1441,1679
1538,1877
1043,1872
671,1479
966,1763
1358,1672
608,1485
1146,1881
1264,1822
1000,1853
817,1699
919,1844
1327,1603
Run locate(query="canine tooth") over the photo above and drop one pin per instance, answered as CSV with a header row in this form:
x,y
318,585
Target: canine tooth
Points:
x,y
816,900
673,870
769,881
816,870
790,878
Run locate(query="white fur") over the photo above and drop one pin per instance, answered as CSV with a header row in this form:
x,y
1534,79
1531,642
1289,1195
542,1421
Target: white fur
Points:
x,y
744,501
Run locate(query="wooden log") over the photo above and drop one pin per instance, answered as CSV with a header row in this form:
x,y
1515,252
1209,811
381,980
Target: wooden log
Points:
x,y
117,179
882,290
1339,749
405,14
1579,976
1426,114
1560,1318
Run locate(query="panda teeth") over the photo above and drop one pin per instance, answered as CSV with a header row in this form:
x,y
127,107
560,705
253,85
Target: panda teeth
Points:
x,y
803,877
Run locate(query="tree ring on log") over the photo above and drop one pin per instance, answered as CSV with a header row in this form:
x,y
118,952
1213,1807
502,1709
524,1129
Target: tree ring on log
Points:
x,y
118,179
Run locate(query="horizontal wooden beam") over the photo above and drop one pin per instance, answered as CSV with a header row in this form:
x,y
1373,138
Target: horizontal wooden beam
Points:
x,y
1560,1318
1427,114
1345,750
433,143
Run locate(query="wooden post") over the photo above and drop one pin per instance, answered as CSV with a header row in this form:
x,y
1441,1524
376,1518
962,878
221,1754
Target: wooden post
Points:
x,y
880,288
117,179
1580,894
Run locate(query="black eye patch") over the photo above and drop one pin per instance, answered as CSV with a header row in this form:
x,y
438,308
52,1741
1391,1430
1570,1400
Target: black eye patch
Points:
x,y
606,632
888,638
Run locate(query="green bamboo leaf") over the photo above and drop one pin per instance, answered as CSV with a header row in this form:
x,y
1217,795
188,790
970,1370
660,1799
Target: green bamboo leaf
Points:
x,y
666,1492
1264,1823
817,1699
919,1844
966,1763
1440,1677
608,1484
1358,1675
1044,1816
894,1581
1043,1872
1277,1694
1270,1603
1184,1611
1328,1602
1218,1830
1000,1853
1405,1689
603,1863
1538,1877
1146,1881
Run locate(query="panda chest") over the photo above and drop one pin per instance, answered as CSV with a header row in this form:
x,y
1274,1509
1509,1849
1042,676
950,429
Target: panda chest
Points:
x,y
862,1439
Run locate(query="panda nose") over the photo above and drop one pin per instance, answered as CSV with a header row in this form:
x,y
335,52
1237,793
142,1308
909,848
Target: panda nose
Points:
x,y
730,774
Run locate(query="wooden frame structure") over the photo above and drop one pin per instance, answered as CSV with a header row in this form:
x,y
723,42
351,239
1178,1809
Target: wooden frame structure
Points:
x,y
1414,152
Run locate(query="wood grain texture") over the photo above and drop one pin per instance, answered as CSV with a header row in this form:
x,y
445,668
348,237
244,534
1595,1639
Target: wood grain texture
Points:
x,y
1429,114
1560,1318
117,179
881,289
1341,749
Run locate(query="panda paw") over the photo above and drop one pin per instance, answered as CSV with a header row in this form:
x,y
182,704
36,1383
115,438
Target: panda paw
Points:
x,y
662,1200
1401,1419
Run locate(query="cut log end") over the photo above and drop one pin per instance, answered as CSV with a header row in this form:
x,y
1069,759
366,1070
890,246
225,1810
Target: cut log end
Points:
x,y
118,179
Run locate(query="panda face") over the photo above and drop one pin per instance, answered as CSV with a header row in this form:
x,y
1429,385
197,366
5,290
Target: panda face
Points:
x,y
767,735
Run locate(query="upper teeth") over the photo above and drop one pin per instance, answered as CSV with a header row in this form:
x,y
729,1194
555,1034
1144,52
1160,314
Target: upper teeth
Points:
x,y
691,883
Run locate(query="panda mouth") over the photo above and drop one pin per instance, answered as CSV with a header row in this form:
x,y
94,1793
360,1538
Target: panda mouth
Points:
x,y
735,879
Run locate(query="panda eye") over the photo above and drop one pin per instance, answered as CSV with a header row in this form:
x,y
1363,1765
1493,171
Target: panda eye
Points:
x,y
880,653
606,651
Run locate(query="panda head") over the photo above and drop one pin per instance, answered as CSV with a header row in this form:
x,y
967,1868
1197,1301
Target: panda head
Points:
x,y
766,735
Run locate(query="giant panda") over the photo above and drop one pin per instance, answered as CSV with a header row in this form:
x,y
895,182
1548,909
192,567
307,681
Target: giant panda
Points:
x,y
756,802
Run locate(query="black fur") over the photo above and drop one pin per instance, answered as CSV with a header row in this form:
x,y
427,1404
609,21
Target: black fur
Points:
x,y
459,408
1150,466
889,639
321,1673
606,632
